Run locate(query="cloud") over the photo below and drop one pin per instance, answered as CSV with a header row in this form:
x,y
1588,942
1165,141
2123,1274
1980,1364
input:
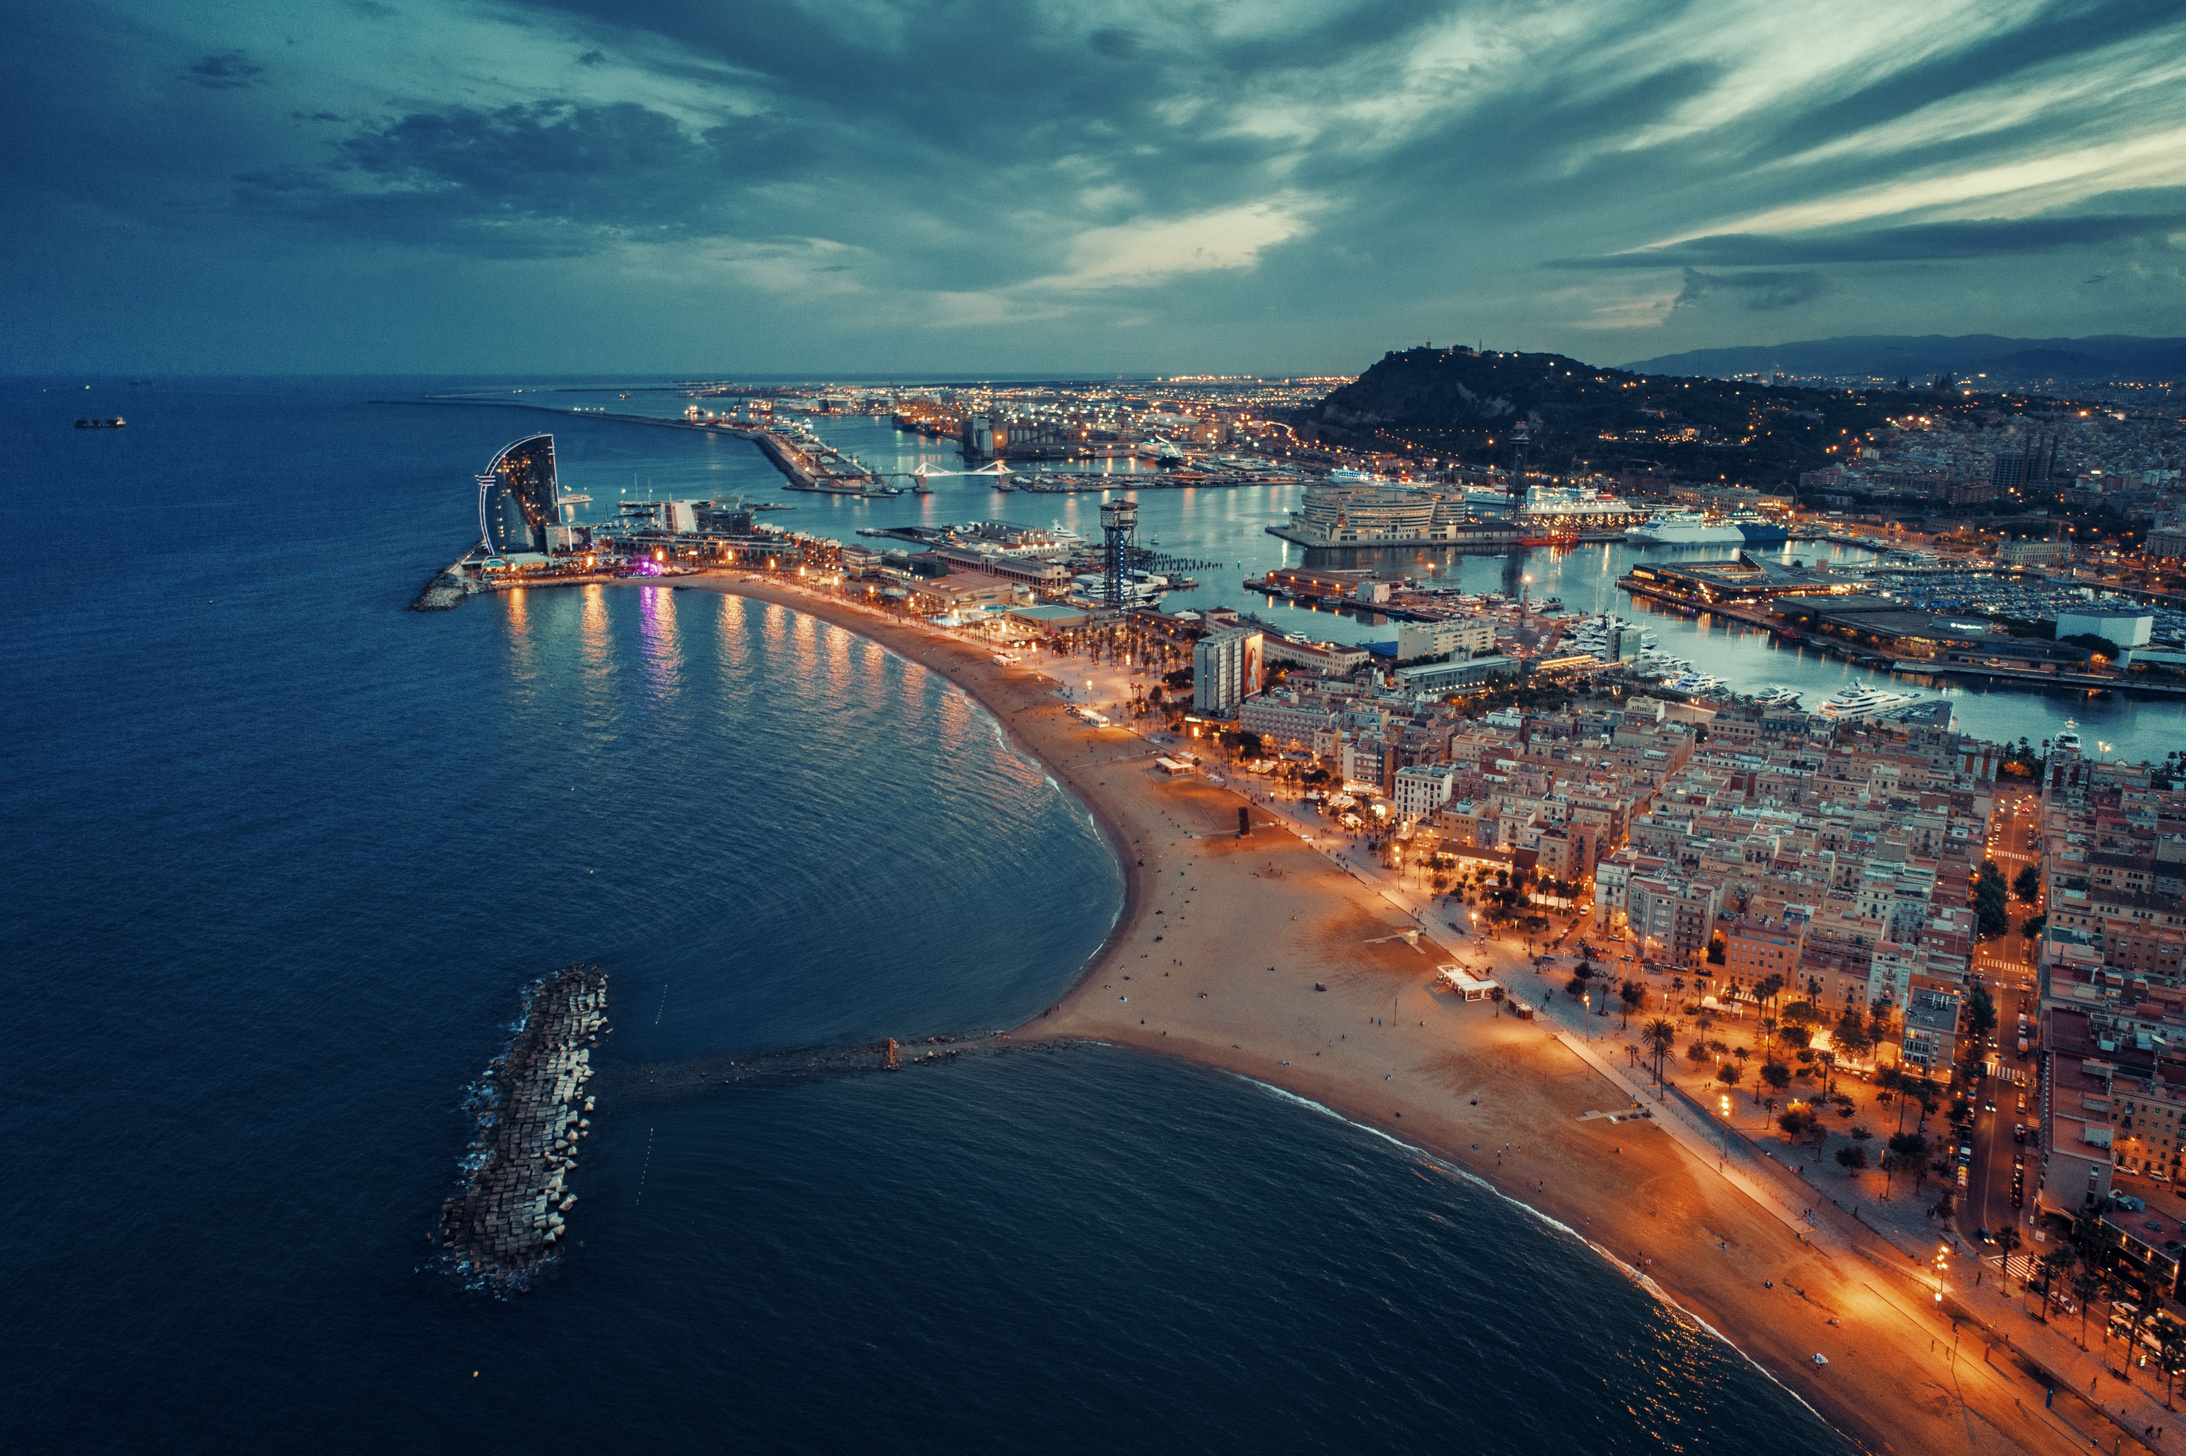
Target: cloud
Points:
x,y
227,71
1283,182
1918,242
1754,292
1150,250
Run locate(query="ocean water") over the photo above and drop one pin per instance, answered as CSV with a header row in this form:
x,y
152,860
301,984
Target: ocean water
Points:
x,y
280,853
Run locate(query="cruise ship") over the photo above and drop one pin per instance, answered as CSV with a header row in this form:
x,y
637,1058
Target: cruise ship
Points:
x,y
1857,700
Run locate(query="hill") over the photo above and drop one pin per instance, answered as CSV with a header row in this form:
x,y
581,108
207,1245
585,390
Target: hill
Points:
x,y
1462,404
2006,362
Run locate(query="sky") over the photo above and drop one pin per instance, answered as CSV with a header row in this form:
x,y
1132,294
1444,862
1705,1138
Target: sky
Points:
x,y
990,187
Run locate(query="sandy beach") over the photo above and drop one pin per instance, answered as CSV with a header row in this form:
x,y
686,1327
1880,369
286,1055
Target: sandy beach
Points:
x,y
1259,956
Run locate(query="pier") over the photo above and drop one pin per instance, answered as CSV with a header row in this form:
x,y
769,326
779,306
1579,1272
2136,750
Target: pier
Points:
x,y
822,470
504,1224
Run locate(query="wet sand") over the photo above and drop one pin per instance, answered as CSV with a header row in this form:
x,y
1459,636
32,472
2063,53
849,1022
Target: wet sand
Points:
x,y
1217,956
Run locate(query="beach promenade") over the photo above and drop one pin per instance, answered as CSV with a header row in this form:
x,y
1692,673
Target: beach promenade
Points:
x,y
1263,956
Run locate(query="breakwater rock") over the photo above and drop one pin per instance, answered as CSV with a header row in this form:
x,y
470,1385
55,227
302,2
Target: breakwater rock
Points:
x,y
504,1224
444,591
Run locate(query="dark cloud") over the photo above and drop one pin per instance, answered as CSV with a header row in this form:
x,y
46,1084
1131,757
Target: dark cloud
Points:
x,y
592,58
227,71
1116,44
554,177
1754,292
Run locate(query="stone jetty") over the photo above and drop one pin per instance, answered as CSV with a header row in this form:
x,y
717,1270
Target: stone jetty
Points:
x,y
447,589
634,1084
508,1220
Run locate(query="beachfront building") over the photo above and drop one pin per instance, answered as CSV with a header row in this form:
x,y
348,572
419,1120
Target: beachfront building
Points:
x,y
1421,789
518,503
1282,717
1225,670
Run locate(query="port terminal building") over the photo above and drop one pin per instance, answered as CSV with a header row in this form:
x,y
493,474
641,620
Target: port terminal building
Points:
x,y
1740,580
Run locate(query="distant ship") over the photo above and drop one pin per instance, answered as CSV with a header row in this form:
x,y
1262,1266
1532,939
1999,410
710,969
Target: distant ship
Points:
x,y
1683,528
113,424
1857,700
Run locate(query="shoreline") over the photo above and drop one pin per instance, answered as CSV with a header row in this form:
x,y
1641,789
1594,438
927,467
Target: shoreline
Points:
x,y
1254,971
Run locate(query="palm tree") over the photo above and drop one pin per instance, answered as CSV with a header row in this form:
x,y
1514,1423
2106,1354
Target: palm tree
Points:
x,y
2056,1265
1889,1082
1661,1035
2086,1285
2008,1239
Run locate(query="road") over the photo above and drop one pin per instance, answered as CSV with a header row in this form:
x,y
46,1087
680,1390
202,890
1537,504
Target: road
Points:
x,y
2014,842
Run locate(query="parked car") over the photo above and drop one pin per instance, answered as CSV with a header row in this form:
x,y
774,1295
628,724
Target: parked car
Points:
x,y
2018,1132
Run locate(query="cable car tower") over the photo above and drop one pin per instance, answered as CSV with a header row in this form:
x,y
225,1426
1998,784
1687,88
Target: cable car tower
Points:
x,y
1520,437
1119,541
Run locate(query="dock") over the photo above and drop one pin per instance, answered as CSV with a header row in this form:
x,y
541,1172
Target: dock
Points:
x,y
504,1224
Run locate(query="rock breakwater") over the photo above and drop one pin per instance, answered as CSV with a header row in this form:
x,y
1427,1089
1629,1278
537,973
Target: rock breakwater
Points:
x,y
446,590
634,1084
509,1217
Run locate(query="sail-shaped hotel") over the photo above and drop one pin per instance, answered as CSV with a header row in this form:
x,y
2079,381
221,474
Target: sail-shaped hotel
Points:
x,y
518,504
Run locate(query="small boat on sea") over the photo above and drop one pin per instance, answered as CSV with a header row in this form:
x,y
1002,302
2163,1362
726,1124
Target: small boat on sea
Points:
x,y
117,422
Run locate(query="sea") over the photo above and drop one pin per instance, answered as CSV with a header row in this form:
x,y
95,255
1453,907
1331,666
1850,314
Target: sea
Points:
x,y
280,856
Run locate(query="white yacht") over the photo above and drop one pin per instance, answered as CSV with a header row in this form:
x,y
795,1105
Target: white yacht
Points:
x,y
1777,696
1856,700
2068,741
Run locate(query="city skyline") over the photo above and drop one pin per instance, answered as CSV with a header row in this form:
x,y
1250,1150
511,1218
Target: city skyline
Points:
x,y
1265,189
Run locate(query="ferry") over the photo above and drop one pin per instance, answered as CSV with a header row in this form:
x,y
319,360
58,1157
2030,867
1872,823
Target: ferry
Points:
x,y
1857,700
1682,528
1758,529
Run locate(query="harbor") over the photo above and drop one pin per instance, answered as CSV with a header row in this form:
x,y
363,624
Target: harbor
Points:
x,y
509,1218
